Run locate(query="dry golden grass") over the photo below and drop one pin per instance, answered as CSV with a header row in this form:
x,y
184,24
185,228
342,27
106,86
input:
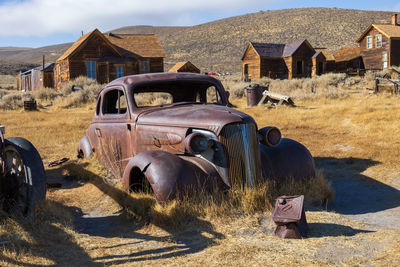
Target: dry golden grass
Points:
x,y
356,127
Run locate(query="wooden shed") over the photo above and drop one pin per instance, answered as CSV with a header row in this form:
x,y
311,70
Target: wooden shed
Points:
x,y
379,45
348,59
330,59
185,66
105,57
283,61
36,78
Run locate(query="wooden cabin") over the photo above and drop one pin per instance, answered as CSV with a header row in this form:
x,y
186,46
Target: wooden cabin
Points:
x,y
185,66
330,59
145,48
349,59
282,61
36,78
380,45
105,57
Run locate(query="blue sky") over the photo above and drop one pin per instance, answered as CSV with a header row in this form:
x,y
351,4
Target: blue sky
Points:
x,y
36,23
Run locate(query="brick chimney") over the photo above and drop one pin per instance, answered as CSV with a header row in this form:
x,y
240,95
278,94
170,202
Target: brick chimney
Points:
x,y
394,19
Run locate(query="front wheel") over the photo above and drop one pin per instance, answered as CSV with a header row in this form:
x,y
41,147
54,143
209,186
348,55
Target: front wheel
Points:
x,y
24,184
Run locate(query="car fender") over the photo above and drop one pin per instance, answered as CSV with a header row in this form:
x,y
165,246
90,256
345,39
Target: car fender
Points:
x,y
168,173
289,159
85,148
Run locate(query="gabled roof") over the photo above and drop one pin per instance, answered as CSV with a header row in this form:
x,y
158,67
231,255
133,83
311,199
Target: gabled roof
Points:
x,y
347,53
390,30
82,40
182,64
328,55
134,45
269,50
291,48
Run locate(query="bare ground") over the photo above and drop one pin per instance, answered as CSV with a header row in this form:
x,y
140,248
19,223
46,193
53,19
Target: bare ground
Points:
x,y
360,227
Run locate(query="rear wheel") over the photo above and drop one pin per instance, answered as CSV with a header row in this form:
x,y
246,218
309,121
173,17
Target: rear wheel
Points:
x,y
24,185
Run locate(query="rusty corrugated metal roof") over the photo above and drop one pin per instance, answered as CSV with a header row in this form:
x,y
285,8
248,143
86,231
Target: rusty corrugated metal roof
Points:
x,y
270,50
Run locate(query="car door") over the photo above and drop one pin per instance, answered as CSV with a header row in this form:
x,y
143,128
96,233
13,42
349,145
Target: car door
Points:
x,y
113,130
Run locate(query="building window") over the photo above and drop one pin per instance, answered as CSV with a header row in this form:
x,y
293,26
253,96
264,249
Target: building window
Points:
x,y
384,60
378,41
145,66
91,69
369,42
120,71
59,73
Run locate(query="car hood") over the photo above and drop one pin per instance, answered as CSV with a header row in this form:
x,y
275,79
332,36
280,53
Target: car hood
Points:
x,y
201,116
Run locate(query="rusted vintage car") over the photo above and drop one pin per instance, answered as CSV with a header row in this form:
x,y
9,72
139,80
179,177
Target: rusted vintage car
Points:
x,y
22,176
178,130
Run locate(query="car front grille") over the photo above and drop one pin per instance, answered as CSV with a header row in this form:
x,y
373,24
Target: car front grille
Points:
x,y
243,158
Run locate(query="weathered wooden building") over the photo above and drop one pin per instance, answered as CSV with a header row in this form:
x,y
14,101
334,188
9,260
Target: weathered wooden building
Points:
x,y
283,61
380,45
349,59
185,66
105,57
330,59
36,78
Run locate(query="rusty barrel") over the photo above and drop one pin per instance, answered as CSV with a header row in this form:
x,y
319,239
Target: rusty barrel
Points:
x,y
30,105
254,94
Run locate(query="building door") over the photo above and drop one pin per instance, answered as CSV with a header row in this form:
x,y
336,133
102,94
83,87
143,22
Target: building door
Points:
x,y
246,72
320,70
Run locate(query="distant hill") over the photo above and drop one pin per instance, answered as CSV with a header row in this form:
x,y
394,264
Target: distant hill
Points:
x,y
219,45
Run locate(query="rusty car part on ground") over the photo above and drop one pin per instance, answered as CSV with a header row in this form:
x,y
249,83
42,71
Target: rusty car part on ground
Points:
x,y
57,162
22,176
185,136
289,216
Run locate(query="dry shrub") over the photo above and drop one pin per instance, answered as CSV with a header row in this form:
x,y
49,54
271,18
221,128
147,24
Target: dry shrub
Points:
x,y
13,101
228,205
4,92
70,98
46,93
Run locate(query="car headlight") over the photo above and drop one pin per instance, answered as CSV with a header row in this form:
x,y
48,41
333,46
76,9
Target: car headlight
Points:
x,y
196,143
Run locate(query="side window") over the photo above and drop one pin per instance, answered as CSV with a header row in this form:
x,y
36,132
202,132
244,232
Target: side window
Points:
x,y
369,42
114,102
145,66
91,69
378,41
119,71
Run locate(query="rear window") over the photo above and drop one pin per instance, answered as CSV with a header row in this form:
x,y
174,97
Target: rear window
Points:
x,y
164,93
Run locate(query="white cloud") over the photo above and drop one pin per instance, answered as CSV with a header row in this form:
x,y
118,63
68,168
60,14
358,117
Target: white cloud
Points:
x,y
43,17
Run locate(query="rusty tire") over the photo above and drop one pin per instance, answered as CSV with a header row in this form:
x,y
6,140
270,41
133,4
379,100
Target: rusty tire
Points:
x,y
26,177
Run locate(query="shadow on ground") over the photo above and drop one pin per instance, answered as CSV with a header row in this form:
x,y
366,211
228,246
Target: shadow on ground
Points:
x,y
356,193
177,242
331,229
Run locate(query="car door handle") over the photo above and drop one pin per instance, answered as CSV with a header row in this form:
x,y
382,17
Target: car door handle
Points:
x,y
129,127
98,132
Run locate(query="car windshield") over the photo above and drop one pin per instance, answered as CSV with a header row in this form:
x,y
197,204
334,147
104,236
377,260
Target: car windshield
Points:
x,y
166,93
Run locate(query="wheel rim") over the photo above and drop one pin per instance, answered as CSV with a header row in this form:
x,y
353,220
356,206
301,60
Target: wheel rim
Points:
x,y
17,193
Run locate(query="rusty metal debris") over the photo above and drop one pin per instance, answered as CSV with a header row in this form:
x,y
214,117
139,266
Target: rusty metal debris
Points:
x,y
289,216
169,132
22,177
57,162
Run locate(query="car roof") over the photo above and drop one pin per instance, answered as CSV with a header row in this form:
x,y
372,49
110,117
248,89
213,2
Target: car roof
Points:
x,y
128,81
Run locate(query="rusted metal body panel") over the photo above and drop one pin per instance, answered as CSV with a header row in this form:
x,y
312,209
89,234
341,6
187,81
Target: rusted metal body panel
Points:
x,y
196,140
290,217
